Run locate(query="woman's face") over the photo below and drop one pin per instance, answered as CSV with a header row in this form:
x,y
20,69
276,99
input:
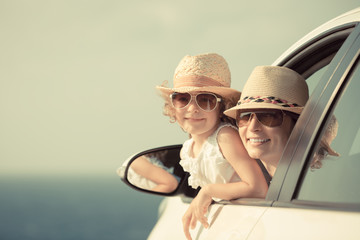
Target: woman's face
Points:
x,y
266,143
195,121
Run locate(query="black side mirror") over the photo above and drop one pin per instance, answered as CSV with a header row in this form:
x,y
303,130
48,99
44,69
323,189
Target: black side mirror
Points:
x,y
157,171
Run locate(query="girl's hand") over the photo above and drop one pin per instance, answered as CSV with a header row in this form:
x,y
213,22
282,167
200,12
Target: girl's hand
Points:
x,y
196,212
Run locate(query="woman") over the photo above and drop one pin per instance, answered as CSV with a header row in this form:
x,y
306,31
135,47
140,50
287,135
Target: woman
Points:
x,y
270,104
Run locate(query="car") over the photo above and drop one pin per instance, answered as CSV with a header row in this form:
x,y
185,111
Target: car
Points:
x,y
303,202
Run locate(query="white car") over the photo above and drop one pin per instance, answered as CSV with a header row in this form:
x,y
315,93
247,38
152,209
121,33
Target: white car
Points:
x,y
302,202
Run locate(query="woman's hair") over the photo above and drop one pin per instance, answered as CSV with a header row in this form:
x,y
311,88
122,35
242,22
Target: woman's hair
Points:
x,y
319,155
169,110
294,116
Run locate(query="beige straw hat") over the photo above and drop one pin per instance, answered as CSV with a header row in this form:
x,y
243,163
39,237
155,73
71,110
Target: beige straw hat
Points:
x,y
204,73
272,87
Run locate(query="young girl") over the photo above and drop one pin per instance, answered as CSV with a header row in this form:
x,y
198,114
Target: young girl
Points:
x,y
214,155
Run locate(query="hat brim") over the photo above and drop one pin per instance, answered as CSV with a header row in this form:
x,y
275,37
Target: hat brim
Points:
x,y
221,91
252,106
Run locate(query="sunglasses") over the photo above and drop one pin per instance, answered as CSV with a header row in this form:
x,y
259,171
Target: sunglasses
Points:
x,y
205,101
268,118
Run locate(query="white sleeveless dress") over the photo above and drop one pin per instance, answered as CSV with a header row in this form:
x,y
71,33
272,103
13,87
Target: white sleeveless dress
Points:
x,y
210,166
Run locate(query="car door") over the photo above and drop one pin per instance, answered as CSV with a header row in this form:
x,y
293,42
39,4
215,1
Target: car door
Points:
x,y
321,202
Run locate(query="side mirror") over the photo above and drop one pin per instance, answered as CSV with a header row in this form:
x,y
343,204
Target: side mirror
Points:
x,y
157,171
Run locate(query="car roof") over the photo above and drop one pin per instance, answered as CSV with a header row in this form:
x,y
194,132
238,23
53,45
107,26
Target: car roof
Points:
x,y
349,17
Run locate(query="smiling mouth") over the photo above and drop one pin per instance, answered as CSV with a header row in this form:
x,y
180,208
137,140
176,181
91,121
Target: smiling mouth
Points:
x,y
194,119
257,140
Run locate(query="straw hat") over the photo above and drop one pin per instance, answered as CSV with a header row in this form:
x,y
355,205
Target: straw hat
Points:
x,y
206,73
272,87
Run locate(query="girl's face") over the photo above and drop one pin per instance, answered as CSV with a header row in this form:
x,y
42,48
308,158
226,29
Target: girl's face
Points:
x,y
265,143
195,121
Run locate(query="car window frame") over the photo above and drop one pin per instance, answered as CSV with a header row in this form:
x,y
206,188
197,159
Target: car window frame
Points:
x,y
305,136
318,51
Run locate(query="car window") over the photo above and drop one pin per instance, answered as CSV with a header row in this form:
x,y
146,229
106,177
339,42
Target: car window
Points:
x,y
314,79
331,178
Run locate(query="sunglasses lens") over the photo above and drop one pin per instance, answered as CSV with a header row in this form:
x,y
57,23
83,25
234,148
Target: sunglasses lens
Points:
x,y
242,119
180,100
271,118
206,102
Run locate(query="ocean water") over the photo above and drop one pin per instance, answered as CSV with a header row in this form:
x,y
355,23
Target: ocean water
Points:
x,y
74,208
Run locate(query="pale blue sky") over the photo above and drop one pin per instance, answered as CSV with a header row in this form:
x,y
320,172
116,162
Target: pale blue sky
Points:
x,y
77,77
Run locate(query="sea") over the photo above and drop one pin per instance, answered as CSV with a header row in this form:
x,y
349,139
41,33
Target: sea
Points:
x,y
74,208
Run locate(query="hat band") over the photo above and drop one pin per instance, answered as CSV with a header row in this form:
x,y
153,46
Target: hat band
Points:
x,y
267,99
196,81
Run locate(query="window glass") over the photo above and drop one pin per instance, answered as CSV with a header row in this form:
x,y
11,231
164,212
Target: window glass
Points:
x,y
335,176
314,79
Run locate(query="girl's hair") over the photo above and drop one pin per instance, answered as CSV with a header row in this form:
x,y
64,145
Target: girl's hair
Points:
x,y
226,104
169,110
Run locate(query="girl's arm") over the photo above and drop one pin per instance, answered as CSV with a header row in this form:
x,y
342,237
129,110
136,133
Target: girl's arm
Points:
x,y
252,184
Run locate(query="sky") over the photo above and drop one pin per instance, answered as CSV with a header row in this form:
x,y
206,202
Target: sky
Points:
x,y
78,77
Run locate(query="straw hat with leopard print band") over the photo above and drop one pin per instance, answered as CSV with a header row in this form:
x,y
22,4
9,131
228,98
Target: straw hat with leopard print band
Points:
x,y
202,73
272,87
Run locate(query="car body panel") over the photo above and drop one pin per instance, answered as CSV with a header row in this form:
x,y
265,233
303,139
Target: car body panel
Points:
x,y
284,224
223,225
254,223
169,225
229,222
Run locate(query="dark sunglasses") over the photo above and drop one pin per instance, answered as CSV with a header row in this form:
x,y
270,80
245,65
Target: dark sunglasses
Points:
x,y
205,101
268,118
